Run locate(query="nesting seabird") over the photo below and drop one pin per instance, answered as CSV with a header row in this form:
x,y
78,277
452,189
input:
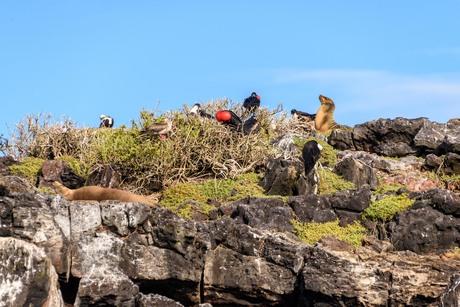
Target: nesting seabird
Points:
x,y
106,121
252,103
228,117
251,125
159,129
196,110
311,153
295,113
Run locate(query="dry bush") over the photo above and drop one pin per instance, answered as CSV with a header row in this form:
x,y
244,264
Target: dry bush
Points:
x,y
40,137
197,147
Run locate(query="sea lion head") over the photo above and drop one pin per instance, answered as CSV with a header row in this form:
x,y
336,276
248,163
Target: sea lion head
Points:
x,y
325,100
61,189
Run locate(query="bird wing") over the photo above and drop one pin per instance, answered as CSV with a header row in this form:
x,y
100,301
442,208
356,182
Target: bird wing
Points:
x,y
156,128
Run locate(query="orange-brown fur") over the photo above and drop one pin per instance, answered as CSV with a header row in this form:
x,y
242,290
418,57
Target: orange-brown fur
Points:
x,y
100,193
324,119
447,256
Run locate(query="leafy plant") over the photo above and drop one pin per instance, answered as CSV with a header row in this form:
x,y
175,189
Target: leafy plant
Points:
x,y
387,188
29,169
221,190
197,148
330,182
78,167
385,208
450,181
313,232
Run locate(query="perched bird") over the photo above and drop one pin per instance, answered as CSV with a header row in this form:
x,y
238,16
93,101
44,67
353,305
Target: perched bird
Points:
x,y
159,129
196,110
296,114
311,153
106,121
251,125
228,117
252,103
324,119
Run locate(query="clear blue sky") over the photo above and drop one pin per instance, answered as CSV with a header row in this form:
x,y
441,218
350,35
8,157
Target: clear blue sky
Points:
x,y
375,59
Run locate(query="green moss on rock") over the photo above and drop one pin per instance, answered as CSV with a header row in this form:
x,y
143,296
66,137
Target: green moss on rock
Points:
x,y
330,182
29,168
220,190
385,208
313,232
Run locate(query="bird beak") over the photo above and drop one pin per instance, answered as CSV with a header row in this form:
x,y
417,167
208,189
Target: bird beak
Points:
x,y
320,147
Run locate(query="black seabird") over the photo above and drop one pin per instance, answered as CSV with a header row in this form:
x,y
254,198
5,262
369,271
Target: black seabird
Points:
x,y
252,103
311,153
106,121
295,113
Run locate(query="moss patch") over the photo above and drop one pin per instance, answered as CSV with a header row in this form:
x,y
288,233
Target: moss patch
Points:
x,y
29,168
313,232
221,190
330,182
387,188
79,168
385,209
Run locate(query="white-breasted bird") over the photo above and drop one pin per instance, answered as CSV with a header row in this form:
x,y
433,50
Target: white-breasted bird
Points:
x,y
106,121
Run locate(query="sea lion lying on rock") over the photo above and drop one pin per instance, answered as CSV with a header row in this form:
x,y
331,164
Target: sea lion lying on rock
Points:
x,y
100,193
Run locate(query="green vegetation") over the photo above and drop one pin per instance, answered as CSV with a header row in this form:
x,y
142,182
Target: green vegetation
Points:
x,y
451,182
385,209
29,169
220,190
196,149
313,232
387,188
77,166
330,182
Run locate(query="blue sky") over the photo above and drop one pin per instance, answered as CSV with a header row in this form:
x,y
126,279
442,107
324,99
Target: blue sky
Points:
x,y
375,59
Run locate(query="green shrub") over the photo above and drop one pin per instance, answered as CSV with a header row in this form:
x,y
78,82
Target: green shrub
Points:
x,y
313,232
330,182
76,166
448,181
385,209
29,168
221,190
387,188
196,149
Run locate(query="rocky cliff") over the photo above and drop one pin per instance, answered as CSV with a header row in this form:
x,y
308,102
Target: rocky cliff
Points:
x,y
84,253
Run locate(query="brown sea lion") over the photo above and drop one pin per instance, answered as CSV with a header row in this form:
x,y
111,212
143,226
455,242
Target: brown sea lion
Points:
x,y
448,256
324,120
100,193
